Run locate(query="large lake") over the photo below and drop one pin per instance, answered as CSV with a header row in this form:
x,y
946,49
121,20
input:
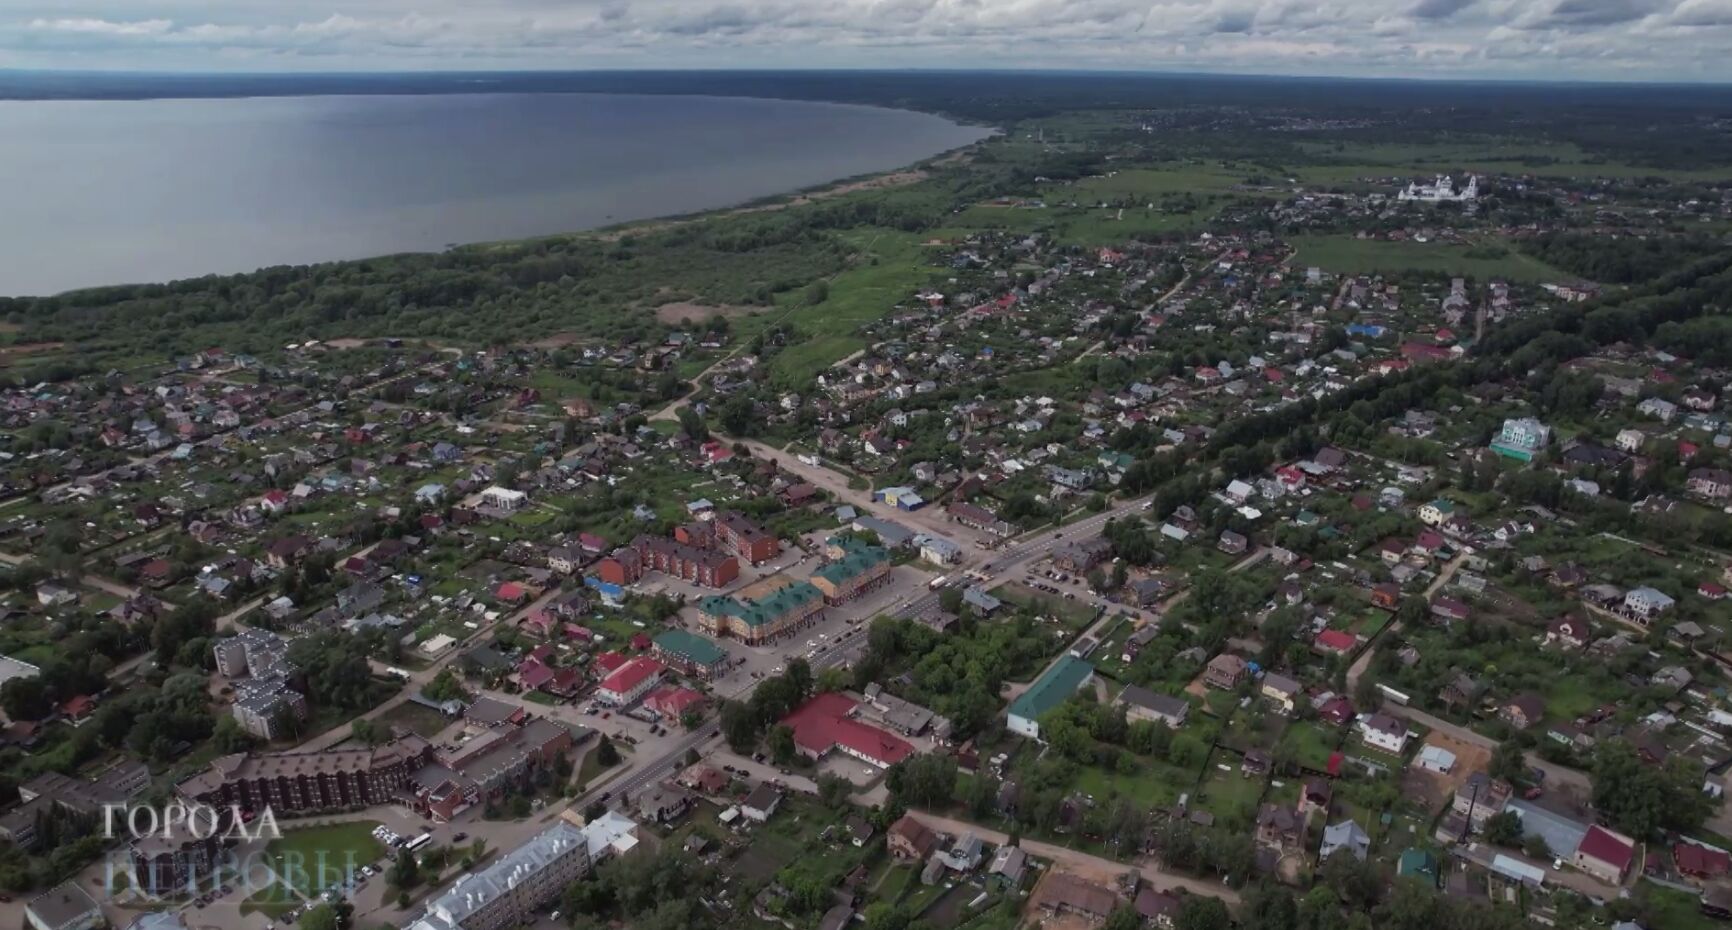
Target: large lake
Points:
x,y
106,192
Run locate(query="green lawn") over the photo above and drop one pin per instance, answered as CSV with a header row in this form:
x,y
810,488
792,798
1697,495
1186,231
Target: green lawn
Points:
x,y
1347,255
1674,910
1230,794
1311,745
591,768
1154,784
313,858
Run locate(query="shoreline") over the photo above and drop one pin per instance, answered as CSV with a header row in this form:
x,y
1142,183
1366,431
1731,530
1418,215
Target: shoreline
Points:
x,y
607,230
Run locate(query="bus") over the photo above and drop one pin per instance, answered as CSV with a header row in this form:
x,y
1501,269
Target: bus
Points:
x,y
418,842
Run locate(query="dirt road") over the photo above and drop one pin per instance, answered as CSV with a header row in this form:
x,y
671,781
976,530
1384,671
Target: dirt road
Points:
x,y
1086,865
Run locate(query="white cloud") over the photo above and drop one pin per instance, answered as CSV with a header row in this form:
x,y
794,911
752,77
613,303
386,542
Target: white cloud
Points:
x,y
1410,38
102,27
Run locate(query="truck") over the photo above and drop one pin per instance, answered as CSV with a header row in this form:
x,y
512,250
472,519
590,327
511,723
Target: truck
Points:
x,y
942,581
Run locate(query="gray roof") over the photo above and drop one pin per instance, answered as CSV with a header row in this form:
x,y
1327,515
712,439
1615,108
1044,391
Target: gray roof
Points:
x,y
508,871
158,920
61,906
889,532
1345,835
1009,861
1562,835
1162,704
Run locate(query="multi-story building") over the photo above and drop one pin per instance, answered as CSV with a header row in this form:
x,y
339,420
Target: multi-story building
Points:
x,y
690,653
268,701
860,568
1521,438
308,782
483,757
760,618
508,892
705,567
630,682
268,707
164,867
254,652
622,567
746,539
65,907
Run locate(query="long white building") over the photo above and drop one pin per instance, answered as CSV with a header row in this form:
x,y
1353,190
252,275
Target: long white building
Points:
x,y
510,890
1443,190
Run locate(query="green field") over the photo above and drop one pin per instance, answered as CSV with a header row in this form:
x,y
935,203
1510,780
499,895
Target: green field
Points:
x,y
1347,255
312,859
1479,155
888,268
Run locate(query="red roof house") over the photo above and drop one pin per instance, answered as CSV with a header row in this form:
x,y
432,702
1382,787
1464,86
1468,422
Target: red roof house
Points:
x,y
1701,861
1605,855
1335,642
672,703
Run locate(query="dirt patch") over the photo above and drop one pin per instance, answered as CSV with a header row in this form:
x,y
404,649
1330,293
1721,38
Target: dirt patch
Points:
x,y
1437,787
674,313
894,179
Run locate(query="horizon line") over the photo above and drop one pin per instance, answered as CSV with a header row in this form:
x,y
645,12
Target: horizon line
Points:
x,y
935,70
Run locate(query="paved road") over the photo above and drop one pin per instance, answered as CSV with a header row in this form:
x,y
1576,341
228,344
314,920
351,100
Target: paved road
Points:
x,y
1008,562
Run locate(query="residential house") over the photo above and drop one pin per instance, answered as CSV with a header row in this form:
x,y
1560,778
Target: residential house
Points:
x,y
1280,827
1282,691
1605,855
1142,704
1381,731
1225,672
1346,836
1523,710
910,839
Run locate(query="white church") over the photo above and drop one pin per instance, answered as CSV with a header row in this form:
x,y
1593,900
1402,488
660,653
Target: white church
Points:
x,y
1442,191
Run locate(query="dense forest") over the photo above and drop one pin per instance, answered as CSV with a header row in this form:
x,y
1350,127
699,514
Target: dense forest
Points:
x,y
1620,259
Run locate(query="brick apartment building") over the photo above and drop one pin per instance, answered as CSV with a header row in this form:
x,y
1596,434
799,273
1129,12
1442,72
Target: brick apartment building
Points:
x,y
740,535
308,782
687,562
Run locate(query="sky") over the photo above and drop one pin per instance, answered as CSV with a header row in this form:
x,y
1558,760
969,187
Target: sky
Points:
x,y
1633,40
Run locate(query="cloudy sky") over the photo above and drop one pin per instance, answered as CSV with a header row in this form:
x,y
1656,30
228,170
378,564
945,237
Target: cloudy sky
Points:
x,y
1543,39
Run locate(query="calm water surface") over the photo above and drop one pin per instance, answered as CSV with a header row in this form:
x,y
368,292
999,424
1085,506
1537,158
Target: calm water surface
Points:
x,y
105,192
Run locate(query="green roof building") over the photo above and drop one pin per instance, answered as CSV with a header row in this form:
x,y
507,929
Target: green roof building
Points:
x,y
755,621
694,654
861,566
1066,677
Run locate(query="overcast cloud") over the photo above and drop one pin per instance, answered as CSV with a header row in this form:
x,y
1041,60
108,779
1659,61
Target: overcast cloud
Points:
x,y
1550,39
